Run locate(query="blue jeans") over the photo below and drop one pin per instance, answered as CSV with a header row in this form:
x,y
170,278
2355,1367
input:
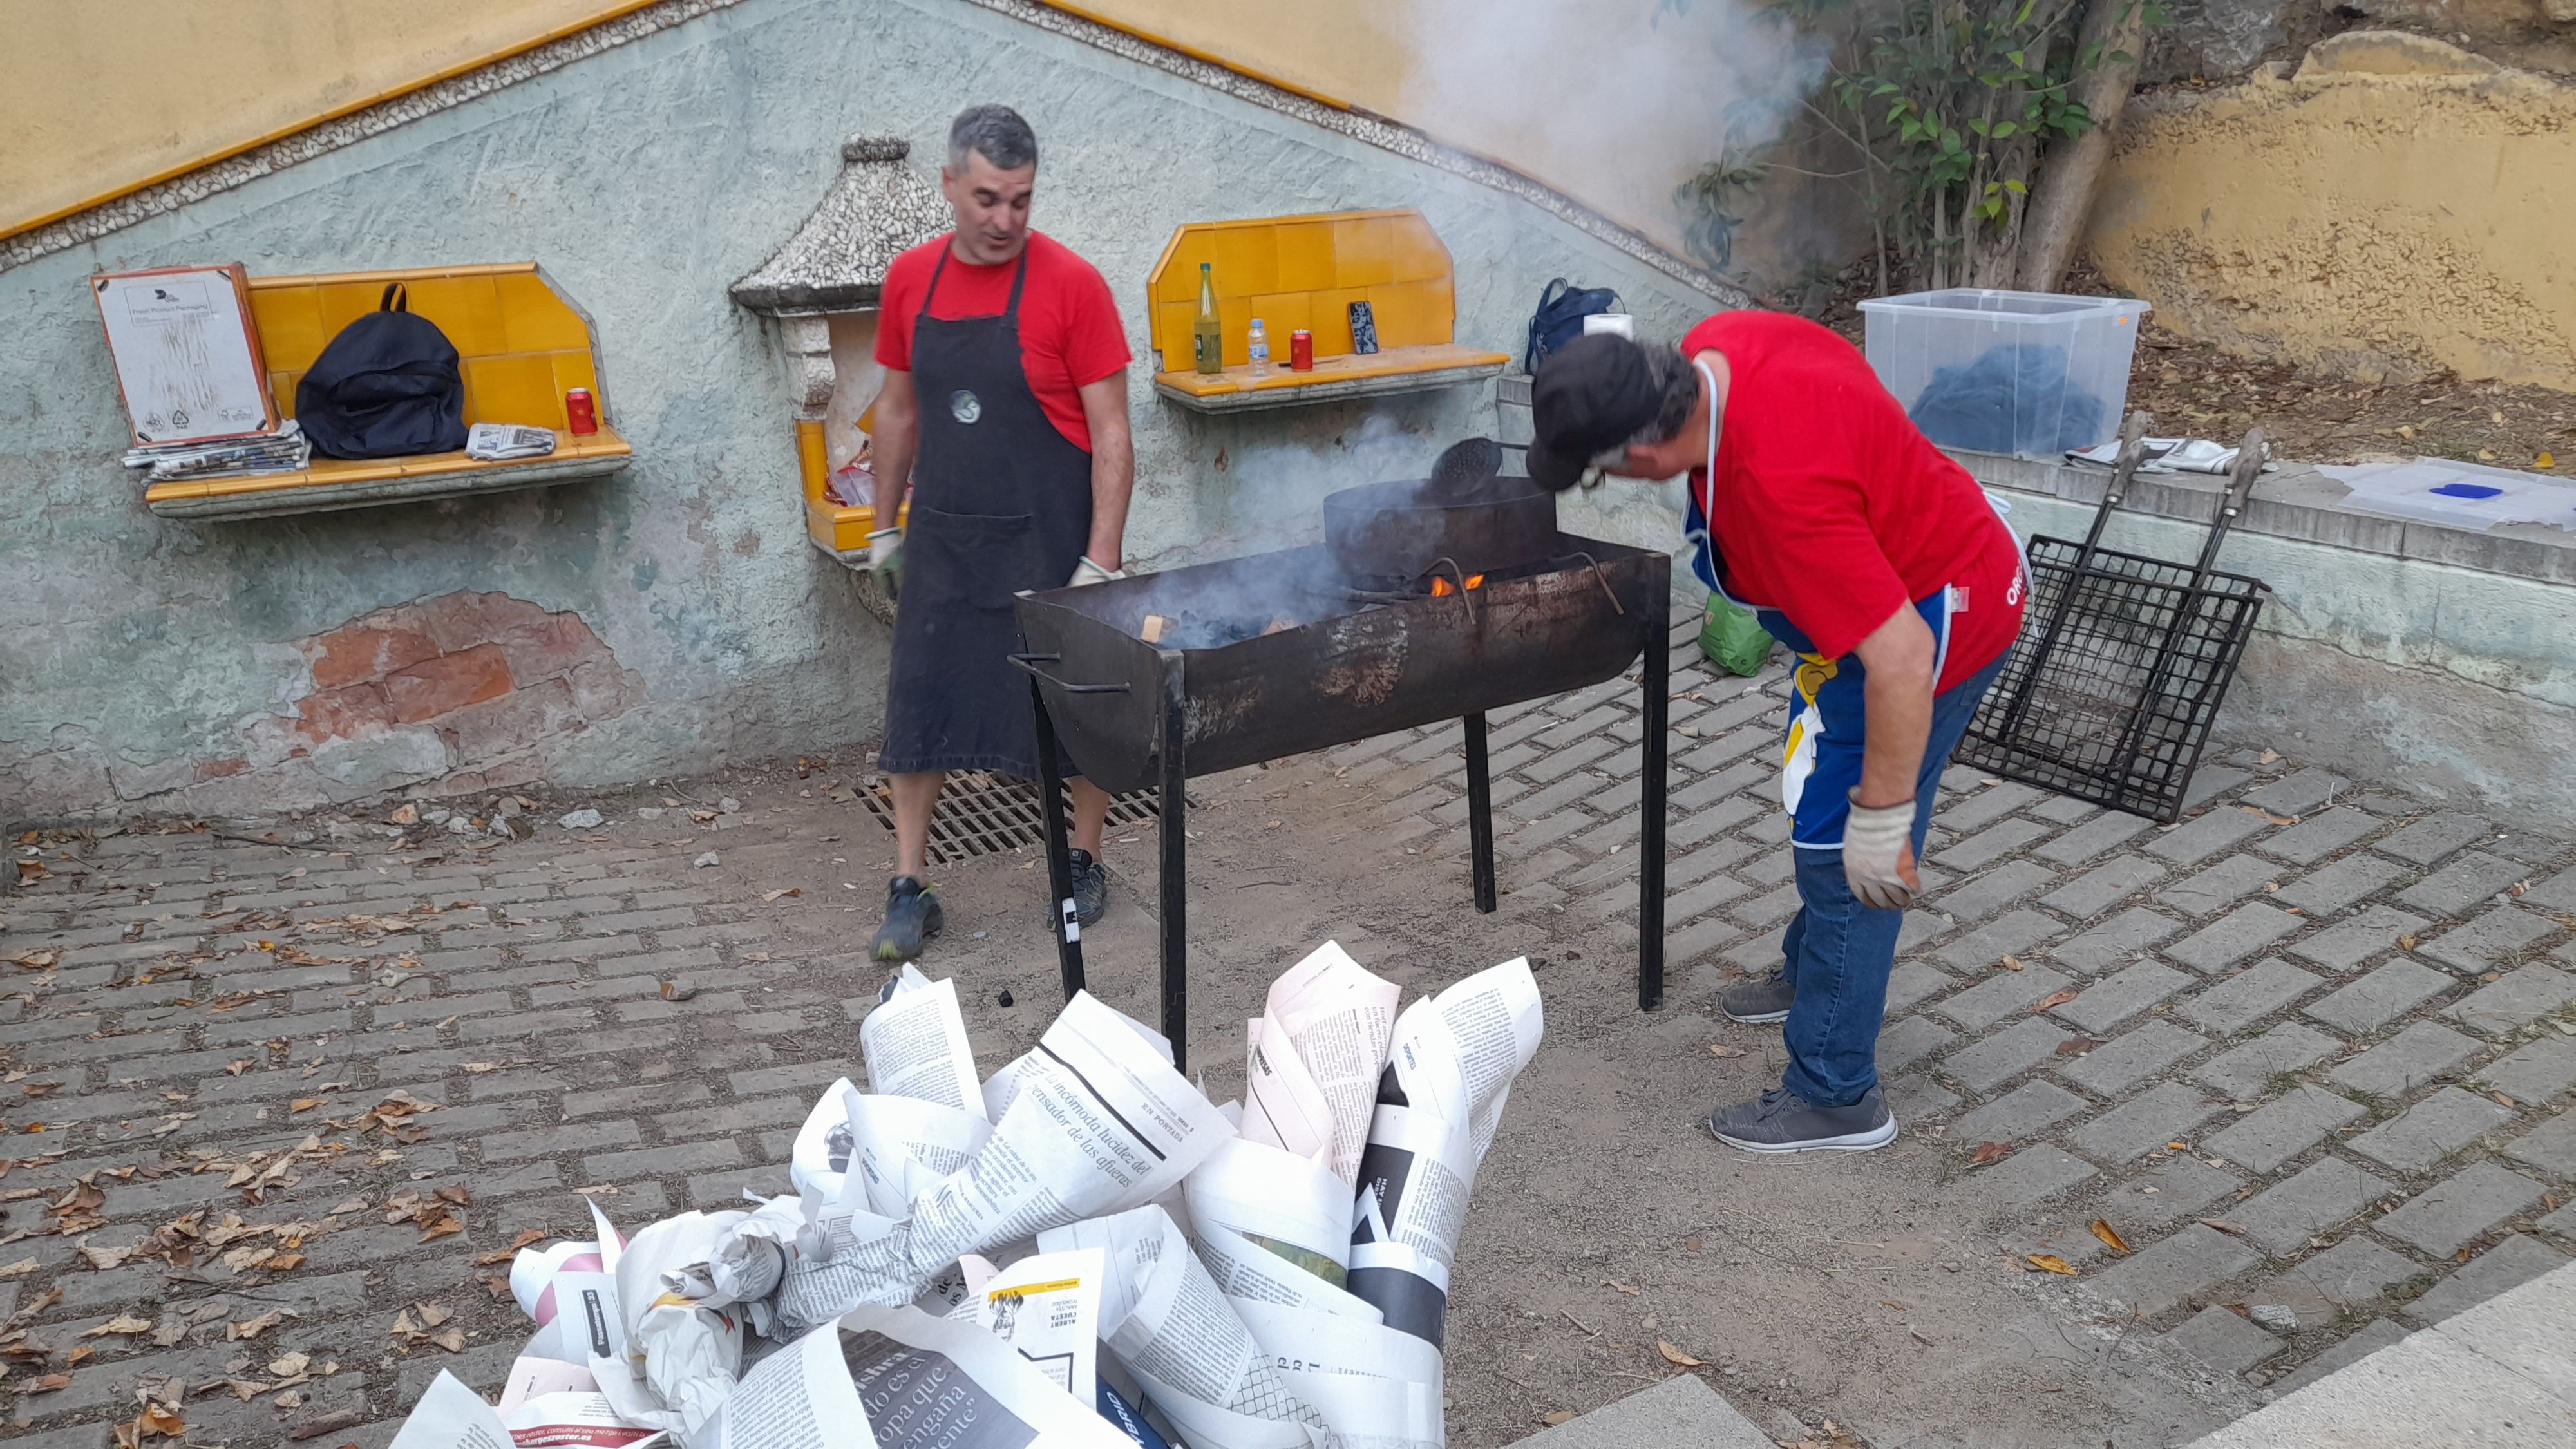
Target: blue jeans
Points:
x,y
1838,952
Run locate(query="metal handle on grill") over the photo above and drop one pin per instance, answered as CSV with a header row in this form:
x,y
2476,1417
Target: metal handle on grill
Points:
x,y
1030,663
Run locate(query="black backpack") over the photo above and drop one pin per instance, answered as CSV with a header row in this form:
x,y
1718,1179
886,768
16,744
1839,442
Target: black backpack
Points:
x,y
387,386
1559,319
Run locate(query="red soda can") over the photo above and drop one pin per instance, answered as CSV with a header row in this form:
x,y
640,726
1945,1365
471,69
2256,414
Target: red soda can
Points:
x,y
1301,351
579,412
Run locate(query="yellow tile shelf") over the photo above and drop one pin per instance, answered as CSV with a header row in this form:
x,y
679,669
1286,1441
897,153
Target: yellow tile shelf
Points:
x,y
520,347
1401,369
1303,272
332,484
842,531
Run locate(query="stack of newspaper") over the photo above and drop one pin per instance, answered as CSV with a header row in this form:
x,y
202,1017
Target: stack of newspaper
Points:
x,y
282,451
1079,1252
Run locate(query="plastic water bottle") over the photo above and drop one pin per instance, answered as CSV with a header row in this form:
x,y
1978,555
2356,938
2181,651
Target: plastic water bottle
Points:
x,y
1257,343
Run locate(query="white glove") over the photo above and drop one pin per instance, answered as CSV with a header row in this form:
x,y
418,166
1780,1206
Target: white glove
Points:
x,y
1087,572
1878,856
885,558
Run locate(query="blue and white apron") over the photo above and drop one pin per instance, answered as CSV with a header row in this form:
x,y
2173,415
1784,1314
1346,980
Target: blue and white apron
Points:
x,y
1821,751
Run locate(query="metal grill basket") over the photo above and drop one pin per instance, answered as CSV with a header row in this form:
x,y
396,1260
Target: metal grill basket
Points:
x,y
2111,691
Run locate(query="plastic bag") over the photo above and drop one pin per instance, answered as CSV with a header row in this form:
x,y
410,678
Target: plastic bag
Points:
x,y
1733,640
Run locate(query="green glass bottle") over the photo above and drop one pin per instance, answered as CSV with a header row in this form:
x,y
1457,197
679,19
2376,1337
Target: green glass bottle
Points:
x,y
1208,335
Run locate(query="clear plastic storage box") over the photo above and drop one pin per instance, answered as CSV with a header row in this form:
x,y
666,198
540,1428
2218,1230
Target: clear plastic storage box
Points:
x,y
2031,373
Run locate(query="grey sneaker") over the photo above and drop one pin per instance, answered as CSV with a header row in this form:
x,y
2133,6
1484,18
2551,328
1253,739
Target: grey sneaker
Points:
x,y
1760,1001
912,917
1090,887
1782,1121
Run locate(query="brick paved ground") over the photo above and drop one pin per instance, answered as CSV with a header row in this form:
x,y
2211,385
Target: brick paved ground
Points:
x,y
2311,1047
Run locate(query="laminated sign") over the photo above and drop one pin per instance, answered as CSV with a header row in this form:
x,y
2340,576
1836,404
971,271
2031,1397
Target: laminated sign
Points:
x,y
186,353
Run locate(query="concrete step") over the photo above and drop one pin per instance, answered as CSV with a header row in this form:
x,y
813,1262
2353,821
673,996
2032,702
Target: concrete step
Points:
x,y
2501,1375
1679,1411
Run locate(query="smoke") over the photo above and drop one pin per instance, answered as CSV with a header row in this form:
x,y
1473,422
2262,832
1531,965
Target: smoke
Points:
x,y
1614,102
1281,474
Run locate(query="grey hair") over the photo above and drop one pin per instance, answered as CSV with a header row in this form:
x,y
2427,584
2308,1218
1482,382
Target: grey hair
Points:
x,y
1677,392
995,131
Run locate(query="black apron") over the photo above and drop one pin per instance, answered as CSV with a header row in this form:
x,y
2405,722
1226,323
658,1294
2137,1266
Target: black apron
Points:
x,y
1001,502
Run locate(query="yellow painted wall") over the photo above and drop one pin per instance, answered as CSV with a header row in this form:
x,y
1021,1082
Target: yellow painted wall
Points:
x,y
1611,101
106,95
2394,206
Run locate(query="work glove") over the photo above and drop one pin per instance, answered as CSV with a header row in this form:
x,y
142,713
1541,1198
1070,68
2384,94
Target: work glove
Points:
x,y
1878,855
1087,572
885,558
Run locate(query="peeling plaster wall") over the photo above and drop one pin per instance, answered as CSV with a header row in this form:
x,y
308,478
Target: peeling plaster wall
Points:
x,y
646,178
2397,206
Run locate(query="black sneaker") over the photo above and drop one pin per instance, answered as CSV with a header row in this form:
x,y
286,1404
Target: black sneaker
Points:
x,y
1782,1121
1090,887
1760,1001
912,917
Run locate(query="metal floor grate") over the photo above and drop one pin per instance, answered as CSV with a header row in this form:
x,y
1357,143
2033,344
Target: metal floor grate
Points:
x,y
981,813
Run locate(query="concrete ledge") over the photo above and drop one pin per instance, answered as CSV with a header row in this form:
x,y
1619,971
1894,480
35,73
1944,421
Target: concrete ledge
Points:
x,y
2401,651
2297,502
1680,1411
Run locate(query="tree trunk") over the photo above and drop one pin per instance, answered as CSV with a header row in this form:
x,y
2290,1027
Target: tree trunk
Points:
x,y
2063,200
1999,250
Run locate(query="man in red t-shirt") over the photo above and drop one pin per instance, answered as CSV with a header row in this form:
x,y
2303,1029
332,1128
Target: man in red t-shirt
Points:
x,y
1004,415
1816,504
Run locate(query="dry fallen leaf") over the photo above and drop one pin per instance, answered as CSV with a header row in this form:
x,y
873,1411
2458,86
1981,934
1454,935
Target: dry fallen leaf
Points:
x,y
767,896
1725,1051
49,1383
1556,1417
2268,757
526,1237
1675,1356
19,1269
2110,1236
253,1327
1988,1152
123,1323
2233,1230
2054,1000
287,1366
2049,1263
2410,941
452,1339
304,1104
2010,963
2076,1046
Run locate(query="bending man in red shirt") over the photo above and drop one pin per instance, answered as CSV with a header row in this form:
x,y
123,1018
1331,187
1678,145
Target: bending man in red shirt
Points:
x,y
1816,504
1005,413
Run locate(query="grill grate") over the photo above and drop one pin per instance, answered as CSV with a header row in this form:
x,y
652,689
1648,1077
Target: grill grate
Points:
x,y
2122,706
981,813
